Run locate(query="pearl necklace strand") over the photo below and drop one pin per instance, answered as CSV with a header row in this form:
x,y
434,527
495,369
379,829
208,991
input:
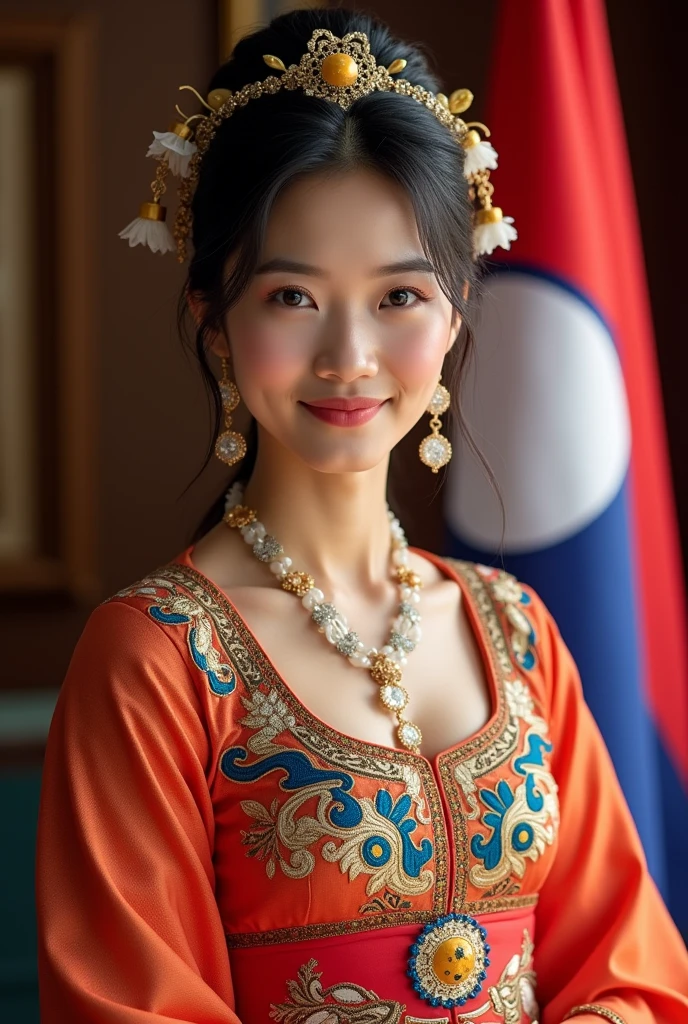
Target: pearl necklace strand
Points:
x,y
384,665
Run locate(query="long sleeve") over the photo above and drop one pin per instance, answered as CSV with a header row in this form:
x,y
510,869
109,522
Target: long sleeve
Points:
x,y
128,926
606,946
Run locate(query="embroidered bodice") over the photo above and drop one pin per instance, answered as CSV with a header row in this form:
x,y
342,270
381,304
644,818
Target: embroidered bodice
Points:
x,y
344,878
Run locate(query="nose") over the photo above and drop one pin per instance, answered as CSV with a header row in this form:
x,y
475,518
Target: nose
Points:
x,y
348,350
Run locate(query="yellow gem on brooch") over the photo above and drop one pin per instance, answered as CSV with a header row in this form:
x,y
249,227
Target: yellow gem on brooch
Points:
x,y
449,961
454,960
384,670
297,583
408,577
339,69
239,515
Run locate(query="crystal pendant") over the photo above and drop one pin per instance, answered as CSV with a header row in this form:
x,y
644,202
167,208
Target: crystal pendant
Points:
x,y
440,401
393,697
435,451
230,447
410,735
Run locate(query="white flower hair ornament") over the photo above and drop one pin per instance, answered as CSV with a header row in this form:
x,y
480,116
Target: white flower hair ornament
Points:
x,y
175,148
333,68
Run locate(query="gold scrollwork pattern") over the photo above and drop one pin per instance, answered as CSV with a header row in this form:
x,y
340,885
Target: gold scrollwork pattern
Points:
x,y
345,1003
349,1003
364,835
514,993
508,592
601,1011
171,608
525,820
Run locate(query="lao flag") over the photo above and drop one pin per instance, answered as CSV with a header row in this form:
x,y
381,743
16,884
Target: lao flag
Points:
x,y
565,404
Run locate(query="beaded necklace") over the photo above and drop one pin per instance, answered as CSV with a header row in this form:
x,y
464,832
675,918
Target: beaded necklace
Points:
x,y
384,665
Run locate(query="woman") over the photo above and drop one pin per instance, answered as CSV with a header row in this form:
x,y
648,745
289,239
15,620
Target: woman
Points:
x,y
240,823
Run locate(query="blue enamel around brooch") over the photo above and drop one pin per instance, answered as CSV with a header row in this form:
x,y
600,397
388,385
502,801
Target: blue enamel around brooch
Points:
x,y
448,960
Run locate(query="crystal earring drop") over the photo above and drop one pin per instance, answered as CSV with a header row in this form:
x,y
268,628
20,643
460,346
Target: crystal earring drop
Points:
x,y
230,446
435,450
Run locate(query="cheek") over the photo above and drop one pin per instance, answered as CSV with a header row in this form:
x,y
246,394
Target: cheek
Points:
x,y
266,358
416,354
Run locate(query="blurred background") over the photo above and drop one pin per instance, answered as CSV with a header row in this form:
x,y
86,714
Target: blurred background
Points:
x,y
103,422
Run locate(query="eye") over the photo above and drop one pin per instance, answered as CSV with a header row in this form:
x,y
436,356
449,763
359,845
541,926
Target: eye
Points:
x,y
408,291
292,291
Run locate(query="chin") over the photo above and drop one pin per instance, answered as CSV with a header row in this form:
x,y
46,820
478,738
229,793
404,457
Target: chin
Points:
x,y
342,461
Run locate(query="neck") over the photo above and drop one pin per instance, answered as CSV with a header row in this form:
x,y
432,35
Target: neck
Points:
x,y
332,525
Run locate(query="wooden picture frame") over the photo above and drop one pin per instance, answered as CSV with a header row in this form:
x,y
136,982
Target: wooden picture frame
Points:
x,y
47,302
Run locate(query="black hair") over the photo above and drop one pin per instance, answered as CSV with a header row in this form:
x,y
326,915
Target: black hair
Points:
x,y
277,139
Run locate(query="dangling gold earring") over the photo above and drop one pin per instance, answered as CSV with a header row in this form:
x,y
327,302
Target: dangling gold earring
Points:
x,y
435,450
230,446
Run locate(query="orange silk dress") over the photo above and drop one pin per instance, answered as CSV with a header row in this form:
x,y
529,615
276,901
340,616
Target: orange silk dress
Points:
x,y
211,852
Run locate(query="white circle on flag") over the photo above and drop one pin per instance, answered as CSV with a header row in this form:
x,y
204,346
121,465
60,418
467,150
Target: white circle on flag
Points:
x,y
546,404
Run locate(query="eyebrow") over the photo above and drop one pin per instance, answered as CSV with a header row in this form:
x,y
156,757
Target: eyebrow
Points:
x,y
413,263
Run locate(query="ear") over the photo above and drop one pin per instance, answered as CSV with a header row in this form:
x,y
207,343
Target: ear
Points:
x,y
220,346
456,317
217,343
195,305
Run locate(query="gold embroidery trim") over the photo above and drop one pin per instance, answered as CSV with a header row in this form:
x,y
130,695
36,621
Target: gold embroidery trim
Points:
x,y
494,904
500,749
371,922
353,1004
328,929
499,655
601,1011
426,1020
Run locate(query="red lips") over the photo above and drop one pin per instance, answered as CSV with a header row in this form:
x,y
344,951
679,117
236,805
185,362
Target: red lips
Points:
x,y
346,404
345,412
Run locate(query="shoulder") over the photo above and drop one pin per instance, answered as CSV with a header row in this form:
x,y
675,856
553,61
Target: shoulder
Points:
x,y
129,675
175,617
151,652
132,633
531,632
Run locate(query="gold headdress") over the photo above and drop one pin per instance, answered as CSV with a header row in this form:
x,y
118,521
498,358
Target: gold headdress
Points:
x,y
341,70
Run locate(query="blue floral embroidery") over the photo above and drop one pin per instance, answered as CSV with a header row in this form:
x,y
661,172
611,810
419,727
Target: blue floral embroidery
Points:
x,y
300,773
522,821
490,851
534,755
365,835
413,857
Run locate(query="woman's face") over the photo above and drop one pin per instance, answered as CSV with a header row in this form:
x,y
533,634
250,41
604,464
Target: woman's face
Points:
x,y
326,317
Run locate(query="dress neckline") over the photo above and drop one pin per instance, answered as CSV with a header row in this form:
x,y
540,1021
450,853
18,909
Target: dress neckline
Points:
x,y
478,626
